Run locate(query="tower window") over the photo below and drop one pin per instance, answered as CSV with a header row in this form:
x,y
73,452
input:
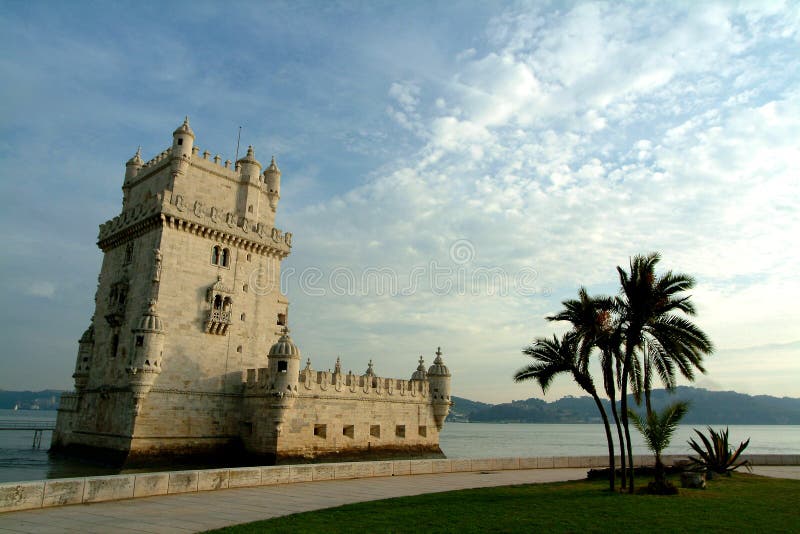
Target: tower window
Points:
x,y
114,345
349,431
375,431
129,253
226,254
283,366
423,431
400,431
180,141
139,341
239,349
321,431
243,317
281,319
215,253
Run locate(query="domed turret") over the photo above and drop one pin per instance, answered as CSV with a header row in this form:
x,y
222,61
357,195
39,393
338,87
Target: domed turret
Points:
x,y
284,347
284,367
439,379
438,368
420,373
133,165
183,140
249,166
84,360
150,321
272,180
148,349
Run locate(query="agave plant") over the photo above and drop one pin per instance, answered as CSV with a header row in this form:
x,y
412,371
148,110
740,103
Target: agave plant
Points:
x,y
717,456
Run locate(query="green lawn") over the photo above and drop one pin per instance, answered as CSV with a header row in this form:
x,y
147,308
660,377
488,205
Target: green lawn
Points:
x,y
742,503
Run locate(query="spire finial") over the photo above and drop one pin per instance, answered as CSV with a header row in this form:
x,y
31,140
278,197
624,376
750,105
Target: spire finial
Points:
x,y
139,151
186,120
285,330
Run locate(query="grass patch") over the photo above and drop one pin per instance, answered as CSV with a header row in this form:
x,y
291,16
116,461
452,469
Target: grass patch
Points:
x,y
740,503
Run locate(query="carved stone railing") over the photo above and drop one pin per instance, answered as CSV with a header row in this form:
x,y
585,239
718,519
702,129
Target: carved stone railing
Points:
x,y
218,322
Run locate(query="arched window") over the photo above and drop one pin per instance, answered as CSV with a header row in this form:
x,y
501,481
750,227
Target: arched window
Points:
x,y
218,302
226,304
215,256
225,257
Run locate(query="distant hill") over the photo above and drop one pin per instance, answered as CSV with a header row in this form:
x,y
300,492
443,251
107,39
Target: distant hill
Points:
x,y
706,407
30,400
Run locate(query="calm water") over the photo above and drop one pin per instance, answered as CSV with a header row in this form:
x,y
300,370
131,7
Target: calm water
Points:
x,y
18,461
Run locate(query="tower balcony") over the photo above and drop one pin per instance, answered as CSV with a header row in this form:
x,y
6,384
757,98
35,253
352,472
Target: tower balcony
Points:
x,y
115,315
218,322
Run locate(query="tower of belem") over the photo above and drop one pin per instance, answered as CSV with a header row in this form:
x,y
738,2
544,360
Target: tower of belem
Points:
x,y
188,353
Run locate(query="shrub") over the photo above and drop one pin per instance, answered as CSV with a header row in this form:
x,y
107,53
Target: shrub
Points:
x,y
716,456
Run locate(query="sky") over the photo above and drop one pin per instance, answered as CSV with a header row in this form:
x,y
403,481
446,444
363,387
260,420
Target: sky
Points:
x,y
452,171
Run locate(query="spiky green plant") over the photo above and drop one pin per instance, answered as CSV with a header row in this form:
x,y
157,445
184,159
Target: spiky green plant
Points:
x,y
716,456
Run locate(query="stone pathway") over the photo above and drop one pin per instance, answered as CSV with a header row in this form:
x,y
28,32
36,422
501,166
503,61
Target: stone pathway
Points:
x,y
194,512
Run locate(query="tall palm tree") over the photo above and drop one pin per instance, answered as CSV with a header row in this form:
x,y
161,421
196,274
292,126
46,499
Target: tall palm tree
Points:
x,y
553,357
593,325
647,307
657,430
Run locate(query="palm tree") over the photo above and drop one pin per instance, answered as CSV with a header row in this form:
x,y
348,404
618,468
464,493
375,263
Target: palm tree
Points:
x,y
657,430
553,357
646,307
593,324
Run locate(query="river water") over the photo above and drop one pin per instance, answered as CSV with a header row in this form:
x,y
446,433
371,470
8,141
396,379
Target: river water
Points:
x,y
19,461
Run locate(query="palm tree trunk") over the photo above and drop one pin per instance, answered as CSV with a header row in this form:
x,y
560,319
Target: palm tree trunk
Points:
x,y
613,398
624,393
610,440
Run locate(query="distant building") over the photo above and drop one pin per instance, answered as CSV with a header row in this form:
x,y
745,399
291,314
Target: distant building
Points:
x,y
188,353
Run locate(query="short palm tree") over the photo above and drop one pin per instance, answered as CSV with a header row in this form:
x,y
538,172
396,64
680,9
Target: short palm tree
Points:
x,y
553,357
657,429
647,307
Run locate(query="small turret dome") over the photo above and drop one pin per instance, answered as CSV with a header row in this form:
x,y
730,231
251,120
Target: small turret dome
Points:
x,y
420,373
284,347
438,368
184,128
88,335
250,157
136,159
273,168
150,321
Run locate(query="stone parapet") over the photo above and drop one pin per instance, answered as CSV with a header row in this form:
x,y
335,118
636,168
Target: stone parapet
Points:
x,y
58,492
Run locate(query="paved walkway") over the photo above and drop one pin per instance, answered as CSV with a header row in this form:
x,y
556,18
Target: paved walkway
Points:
x,y
194,512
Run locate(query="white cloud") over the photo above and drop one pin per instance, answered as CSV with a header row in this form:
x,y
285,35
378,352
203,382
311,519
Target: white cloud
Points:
x,y
41,289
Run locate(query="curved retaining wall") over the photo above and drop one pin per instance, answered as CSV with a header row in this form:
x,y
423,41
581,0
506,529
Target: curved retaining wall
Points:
x,y
58,492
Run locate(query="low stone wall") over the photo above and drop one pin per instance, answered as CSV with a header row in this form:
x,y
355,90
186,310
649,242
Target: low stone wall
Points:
x,y
59,492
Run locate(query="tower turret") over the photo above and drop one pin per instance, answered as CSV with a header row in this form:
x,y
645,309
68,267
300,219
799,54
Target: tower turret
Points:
x,y
183,140
284,370
249,167
420,373
439,379
84,360
132,168
148,348
272,179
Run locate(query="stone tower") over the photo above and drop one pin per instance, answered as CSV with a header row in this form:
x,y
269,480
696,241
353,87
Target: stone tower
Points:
x,y
187,298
